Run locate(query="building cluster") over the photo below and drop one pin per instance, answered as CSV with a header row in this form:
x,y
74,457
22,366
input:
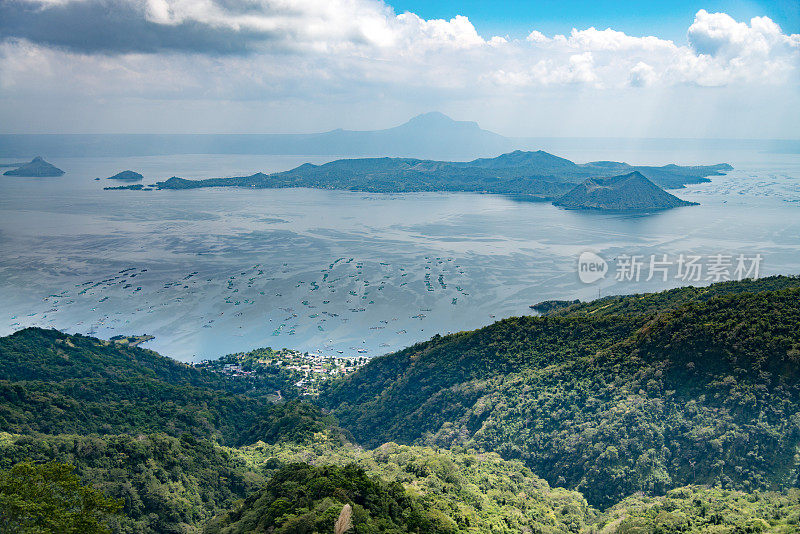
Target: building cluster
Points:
x,y
305,370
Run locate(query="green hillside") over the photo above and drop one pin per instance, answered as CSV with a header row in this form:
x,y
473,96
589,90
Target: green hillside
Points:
x,y
55,383
704,392
427,490
707,510
166,484
674,412
666,300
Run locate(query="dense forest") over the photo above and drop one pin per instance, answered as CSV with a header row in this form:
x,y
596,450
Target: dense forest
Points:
x,y
701,392
659,413
55,383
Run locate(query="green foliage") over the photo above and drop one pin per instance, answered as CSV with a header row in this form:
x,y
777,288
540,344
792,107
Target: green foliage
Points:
x,y
176,484
49,499
302,499
291,421
699,509
425,495
480,493
165,484
704,391
57,383
646,303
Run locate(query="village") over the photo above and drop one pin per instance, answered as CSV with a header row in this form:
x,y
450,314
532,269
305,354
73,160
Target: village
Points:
x,y
306,371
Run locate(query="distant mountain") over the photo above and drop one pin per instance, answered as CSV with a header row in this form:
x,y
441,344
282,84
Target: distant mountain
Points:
x,y
36,168
535,175
627,192
430,135
129,176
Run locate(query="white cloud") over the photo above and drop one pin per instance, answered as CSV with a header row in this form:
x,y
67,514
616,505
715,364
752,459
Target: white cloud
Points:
x,y
642,75
341,41
301,50
608,39
536,37
582,68
724,51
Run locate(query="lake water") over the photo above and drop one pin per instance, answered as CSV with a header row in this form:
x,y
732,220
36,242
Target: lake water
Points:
x,y
213,271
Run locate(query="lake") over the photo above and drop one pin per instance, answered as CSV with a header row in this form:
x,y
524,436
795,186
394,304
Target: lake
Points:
x,y
214,271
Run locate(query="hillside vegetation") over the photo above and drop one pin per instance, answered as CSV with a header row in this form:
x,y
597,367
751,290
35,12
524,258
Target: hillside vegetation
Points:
x,y
644,303
55,383
704,392
674,412
165,484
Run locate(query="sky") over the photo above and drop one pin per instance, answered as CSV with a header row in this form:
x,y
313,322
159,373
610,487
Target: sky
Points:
x,y
548,68
635,17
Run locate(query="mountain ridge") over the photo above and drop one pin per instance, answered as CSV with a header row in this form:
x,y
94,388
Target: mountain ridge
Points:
x,y
52,382
428,135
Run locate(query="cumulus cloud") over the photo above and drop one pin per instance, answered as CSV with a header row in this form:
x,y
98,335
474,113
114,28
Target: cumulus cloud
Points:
x,y
301,49
536,37
642,75
724,50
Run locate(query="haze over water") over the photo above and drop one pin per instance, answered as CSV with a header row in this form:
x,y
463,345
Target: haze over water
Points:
x,y
211,271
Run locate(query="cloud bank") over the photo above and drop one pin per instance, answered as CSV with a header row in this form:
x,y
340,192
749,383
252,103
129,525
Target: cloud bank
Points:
x,y
305,49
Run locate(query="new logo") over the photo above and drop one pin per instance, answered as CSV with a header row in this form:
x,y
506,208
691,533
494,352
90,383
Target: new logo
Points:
x,y
591,267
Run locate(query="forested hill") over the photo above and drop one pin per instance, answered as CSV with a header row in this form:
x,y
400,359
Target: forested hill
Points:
x,y
644,303
685,390
52,382
627,400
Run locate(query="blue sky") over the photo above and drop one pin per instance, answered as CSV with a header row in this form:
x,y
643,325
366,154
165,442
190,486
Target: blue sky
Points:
x,y
665,19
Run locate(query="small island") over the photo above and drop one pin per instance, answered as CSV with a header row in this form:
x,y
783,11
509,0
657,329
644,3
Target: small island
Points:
x,y
131,187
128,176
36,168
627,192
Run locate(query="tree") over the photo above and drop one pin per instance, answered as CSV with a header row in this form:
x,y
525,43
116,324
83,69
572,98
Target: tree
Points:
x,y
49,498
